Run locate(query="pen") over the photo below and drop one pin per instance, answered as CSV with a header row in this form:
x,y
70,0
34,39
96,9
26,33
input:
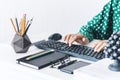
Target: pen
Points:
x,y
13,25
69,63
39,54
27,23
28,27
17,24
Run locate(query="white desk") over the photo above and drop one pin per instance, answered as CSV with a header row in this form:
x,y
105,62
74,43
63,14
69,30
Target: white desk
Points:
x,y
10,70
97,71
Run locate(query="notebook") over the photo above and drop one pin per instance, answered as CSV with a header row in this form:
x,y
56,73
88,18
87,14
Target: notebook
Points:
x,y
41,61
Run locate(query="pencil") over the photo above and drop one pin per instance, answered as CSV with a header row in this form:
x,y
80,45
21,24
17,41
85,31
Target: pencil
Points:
x,y
13,25
39,54
23,24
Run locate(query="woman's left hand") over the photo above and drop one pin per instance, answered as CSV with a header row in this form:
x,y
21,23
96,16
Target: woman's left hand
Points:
x,y
100,45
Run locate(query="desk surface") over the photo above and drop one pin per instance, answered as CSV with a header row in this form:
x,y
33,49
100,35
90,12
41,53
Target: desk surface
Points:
x,y
10,70
97,71
13,71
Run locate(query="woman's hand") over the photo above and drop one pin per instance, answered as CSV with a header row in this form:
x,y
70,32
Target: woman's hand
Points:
x,y
100,45
79,38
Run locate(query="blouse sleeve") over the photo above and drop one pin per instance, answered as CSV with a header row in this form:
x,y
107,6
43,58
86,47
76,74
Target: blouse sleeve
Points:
x,y
89,29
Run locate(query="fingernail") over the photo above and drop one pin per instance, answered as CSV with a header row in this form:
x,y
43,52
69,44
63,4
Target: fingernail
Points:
x,y
69,45
95,50
66,42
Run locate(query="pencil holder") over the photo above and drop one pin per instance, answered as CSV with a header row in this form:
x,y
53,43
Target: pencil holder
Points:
x,y
21,44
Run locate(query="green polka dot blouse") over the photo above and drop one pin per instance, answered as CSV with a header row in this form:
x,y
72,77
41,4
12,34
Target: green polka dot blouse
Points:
x,y
103,24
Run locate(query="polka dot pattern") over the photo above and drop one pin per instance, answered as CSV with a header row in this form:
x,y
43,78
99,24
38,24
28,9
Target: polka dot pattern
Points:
x,y
112,49
103,24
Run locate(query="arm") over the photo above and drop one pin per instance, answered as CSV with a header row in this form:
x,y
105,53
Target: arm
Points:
x,y
97,27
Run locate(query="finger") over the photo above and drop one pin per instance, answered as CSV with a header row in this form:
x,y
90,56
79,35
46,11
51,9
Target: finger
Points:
x,y
85,40
72,39
77,38
98,46
101,47
67,38
96,43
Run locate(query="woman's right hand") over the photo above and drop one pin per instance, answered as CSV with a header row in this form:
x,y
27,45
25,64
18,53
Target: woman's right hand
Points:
x,y
79,38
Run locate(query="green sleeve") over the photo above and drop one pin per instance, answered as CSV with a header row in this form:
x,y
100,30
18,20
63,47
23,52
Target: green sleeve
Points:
x,y
90,30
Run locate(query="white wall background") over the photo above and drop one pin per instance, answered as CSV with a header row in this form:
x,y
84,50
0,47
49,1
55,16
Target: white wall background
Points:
x,y
63,16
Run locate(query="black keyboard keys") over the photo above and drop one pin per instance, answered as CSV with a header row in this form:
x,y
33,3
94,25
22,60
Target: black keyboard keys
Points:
x,y
74,50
